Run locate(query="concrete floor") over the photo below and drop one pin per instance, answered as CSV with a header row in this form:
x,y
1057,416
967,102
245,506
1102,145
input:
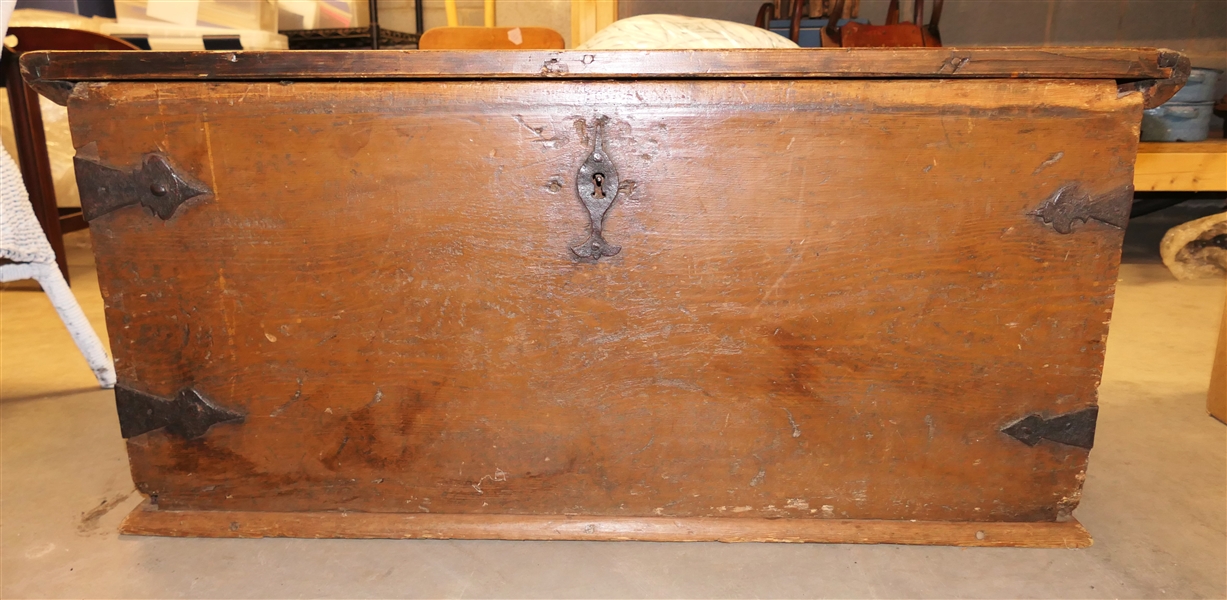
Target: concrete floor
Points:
x,y
1154,498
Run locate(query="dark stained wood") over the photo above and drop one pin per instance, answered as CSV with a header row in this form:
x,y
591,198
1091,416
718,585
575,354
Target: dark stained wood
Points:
x,y
1157,91
830,299
834,63
766,13
72,220
147,521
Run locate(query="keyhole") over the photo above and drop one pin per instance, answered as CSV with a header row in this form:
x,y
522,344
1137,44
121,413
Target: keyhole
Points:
x,y
598,185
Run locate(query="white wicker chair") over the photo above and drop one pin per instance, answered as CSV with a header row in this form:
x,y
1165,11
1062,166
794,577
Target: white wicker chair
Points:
x,y
26,254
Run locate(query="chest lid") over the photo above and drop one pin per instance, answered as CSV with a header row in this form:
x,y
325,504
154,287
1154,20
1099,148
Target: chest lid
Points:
x,y
1156,73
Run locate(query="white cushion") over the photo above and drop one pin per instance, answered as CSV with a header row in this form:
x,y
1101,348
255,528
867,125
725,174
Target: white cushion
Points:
x,y
674,32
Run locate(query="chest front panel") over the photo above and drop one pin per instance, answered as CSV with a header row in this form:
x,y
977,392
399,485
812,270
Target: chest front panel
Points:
x,y
829,298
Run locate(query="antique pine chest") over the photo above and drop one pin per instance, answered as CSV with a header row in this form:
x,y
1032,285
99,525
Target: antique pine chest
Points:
x,y
789,295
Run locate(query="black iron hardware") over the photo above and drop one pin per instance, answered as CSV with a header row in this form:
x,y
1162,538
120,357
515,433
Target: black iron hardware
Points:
x,y
156,185
188,415
597,187
1073,429
1072,203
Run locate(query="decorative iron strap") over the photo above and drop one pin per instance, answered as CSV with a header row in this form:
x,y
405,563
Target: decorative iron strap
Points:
x,y
1073,429
1073,203
156,185
188,415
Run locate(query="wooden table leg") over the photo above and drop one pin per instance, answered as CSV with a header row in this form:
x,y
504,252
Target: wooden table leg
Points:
x,y
1216,400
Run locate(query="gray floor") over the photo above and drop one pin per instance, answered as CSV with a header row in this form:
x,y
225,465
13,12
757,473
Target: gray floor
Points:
x,y
1154,499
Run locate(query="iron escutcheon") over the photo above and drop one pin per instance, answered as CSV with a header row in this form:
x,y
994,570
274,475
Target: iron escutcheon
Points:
x,y
596,184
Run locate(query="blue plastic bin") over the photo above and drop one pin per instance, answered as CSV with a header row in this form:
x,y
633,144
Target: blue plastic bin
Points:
x,y
1199,87
1177,122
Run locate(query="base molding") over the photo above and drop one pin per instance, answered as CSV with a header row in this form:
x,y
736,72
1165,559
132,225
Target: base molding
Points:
x,y
148,520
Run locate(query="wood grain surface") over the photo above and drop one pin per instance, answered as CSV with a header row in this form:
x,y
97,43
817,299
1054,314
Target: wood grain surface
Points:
x,y
144,521
837,63
830,298
1181,166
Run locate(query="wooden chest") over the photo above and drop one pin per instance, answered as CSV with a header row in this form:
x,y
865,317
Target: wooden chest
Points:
x,y
816,295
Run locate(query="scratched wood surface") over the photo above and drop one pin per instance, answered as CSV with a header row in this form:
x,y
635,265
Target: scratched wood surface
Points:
x,y
830,298
148,520
838,63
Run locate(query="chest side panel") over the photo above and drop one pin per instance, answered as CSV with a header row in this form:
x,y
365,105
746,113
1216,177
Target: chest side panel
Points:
x,y
830,297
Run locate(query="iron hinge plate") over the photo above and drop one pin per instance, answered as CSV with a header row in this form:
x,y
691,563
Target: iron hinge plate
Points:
x,y
157,185
1072,203
1072,429
189,414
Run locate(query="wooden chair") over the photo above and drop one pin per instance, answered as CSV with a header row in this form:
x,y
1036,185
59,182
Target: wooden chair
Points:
x,y
815,9
766,13
28,126
491,38
893,34
842,9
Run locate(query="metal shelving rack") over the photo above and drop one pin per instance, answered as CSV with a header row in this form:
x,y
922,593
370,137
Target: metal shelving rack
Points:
x,y
373,36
